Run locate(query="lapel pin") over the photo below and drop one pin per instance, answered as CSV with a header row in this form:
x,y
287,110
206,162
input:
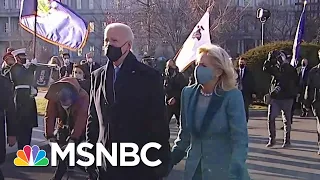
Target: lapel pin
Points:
x,y
133,72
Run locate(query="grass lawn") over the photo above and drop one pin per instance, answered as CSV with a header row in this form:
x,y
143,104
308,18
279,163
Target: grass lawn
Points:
x,y
41,106
258,107
43,89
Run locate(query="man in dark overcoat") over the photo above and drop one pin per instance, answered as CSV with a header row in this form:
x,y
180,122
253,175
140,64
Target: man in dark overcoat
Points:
x,y
127,105
7,119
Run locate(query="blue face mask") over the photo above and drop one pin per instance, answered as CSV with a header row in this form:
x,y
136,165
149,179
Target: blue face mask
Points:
x,y
203,74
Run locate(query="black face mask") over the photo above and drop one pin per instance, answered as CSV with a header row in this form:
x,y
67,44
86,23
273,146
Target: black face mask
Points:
x,y
23,60
114,53
242,66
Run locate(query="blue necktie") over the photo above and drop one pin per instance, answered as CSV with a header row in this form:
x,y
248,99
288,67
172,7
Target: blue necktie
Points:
x,y
116,70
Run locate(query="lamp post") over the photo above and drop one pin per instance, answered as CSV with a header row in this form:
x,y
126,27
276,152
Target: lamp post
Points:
x,y
263,15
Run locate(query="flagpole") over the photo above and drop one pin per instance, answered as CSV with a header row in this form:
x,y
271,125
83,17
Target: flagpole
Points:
x,y
35,32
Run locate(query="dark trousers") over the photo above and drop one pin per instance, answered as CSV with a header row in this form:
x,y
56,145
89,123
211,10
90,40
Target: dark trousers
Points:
x,y
24,136
275,107
1,175
122,175
63,167
247,101
174,110
294,104
317,114
246,107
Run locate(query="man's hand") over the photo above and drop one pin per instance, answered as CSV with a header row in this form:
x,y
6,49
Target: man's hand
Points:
x,y
172,101
11,140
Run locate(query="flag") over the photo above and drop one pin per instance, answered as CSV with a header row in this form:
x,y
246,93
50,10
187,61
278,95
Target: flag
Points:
x,y
198,37
42,76
298,37
55,22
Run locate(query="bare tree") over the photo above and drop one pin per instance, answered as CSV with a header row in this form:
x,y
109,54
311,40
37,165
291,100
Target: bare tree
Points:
x,y
224,16
282,24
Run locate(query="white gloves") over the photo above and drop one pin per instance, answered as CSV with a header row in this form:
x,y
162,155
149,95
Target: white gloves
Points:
x,y
34,61
28,62
34,92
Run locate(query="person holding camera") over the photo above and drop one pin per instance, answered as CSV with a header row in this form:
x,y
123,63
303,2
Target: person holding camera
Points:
x,y
174,82
312,95
283,89
68,103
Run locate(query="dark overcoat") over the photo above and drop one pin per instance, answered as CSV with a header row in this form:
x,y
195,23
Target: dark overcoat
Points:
x,y
7,115
133,112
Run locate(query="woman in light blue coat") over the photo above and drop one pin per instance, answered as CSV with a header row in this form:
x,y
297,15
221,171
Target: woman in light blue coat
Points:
x,y
213,128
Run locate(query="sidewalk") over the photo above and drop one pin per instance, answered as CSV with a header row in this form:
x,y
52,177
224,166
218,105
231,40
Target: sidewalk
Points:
x,y
300,162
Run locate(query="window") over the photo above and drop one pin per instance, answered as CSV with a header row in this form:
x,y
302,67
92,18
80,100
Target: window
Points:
x,y
6,4
78,4
7,28
91,49
91,27
91,4
66,2
80,52
103,4
18,4
118,4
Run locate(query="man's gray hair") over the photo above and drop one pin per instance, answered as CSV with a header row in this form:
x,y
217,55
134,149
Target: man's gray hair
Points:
x,y
124,27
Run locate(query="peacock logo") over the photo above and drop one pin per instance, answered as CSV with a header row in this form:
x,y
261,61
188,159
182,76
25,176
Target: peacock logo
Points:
x,y
31,156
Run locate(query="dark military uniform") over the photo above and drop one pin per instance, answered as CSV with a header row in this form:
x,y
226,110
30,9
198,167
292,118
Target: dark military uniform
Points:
x,y
312,96
25,104
7,116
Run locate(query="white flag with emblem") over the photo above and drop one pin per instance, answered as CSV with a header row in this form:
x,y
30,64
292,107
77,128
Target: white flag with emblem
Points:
x,y
198,37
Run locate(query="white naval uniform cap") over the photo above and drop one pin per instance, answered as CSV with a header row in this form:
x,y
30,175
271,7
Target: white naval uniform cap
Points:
x,y
18,51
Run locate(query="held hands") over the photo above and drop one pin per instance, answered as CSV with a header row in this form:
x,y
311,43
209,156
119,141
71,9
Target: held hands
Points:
x,y
172,101
11,140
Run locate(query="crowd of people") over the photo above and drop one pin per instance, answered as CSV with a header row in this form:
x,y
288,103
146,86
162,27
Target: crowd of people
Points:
x,y
128,101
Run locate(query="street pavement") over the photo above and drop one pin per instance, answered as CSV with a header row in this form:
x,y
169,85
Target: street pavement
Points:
x,y
300,162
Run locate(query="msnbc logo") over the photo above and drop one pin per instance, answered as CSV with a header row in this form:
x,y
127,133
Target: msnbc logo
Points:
x,y
31,156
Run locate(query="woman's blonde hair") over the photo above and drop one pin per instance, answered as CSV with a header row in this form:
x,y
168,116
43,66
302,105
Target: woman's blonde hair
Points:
x,y
55,60
228,79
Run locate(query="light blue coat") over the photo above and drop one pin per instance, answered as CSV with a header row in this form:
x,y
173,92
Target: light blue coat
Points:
x,y
221,145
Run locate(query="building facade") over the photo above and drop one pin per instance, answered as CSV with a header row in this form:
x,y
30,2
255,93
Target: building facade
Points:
x,y
98,13
248,31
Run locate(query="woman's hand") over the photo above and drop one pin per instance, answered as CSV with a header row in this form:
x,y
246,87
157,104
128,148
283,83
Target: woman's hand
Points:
x,y
172,101
11,140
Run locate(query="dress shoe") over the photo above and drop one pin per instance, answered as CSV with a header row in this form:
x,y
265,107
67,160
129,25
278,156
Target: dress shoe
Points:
x,y
286,144
271,143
